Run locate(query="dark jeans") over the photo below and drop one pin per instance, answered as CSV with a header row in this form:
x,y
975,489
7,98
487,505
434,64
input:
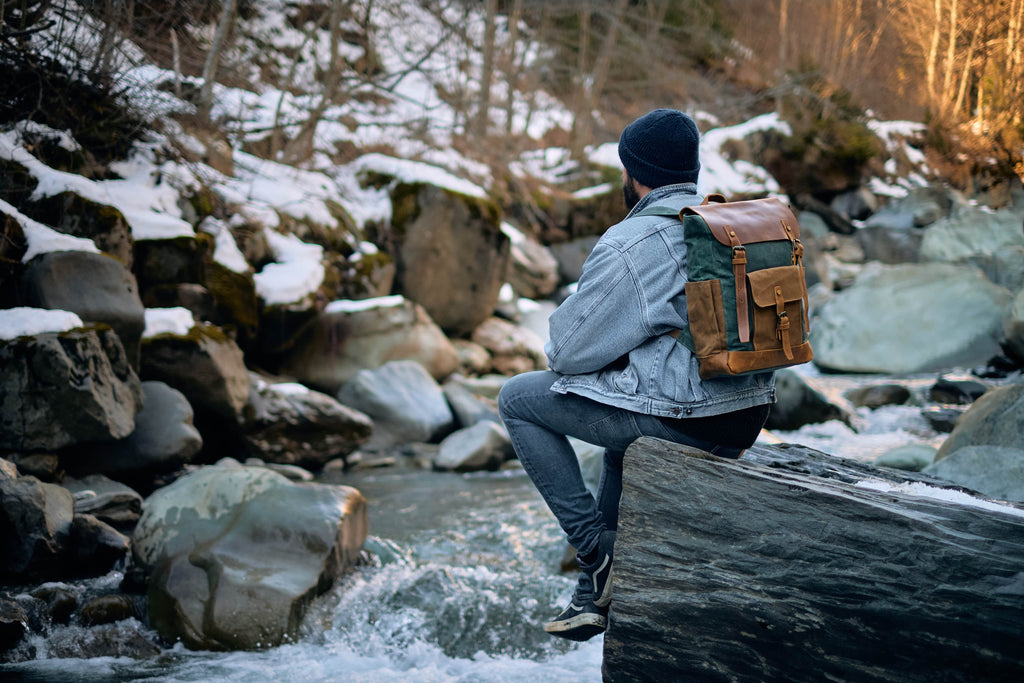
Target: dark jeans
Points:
x,y
539,421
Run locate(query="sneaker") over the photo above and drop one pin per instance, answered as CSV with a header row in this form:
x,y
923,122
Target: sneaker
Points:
x,y
581,620
599,571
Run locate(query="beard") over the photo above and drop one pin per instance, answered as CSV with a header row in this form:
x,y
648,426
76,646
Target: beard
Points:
x,y
629,193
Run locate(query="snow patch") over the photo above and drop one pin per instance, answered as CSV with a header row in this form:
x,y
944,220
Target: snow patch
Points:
x,y
24,321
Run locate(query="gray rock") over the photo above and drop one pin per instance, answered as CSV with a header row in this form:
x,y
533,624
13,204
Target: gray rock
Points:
x,y
799,401
205,365
958,391
107,609
910,318
782,567
441,241
361,335
97,287
943,419
1013,328
484,446
95,547
43,466
533,270
468,407
571,255
921,207
404,402
164,439
8,470
12,623
235,554
879,395
972,231
912,458
35,530
890,245
995,419
289,424
67,388
72,214
856,205
993,471
105,499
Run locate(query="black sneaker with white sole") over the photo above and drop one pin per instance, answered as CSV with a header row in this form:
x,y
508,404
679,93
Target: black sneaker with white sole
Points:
x,y
581,620
599,570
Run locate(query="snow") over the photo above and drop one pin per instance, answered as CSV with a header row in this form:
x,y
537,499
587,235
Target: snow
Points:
x,y
23,321
356,306
736,177
42,239
922,490
417,172
225,251
289,389
295,275
177,321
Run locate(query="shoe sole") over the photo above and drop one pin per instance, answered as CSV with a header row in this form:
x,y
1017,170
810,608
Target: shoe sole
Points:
x,y
579,628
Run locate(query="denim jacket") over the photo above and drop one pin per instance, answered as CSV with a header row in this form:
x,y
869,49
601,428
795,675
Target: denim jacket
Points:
x,y
610,340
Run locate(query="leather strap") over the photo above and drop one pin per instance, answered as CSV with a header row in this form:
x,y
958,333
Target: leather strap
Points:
x,y
782,328
739,273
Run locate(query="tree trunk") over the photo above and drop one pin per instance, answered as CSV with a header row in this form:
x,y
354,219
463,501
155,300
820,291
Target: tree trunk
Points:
x,y
487,71
227,18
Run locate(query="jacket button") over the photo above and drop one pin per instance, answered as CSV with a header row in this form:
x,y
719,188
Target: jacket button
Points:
x,y
689,411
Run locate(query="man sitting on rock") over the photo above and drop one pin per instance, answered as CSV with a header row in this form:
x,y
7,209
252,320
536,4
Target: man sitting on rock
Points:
x,y
618,373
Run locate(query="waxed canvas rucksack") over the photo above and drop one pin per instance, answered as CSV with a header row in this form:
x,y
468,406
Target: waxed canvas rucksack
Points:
x,y
746,295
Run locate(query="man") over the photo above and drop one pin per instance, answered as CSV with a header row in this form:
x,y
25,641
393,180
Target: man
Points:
x,y
616,370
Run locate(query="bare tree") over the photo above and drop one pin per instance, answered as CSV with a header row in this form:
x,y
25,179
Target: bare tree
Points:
x,y
227,20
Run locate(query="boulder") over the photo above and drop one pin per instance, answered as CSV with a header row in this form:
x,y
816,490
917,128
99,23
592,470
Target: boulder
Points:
x,y
164,440
205,365
12,623
287,423
97,287
878,395
172,261
943,419
956,391
108,609
909,319
1013,329
35,528
105,499
95,547
349,336
800,401
890,245
513,348
993,471
919,208
533,270
912,458
484,446
995,419
856,204
450,253
791,565
404,402
570,256
468,407
59,389
235,554
993,241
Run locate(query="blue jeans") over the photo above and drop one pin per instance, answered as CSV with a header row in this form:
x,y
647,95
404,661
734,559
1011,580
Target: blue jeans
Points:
x,y
539,421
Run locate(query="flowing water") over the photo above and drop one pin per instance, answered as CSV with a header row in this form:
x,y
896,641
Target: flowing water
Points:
x,y
464,572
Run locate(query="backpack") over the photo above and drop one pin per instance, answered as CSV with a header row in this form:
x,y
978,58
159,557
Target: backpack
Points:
x,y
746,296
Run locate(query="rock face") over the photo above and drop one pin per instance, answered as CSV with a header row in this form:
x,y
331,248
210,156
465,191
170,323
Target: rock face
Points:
x,y
995,419
67,388
779,567
35,528
235,554
911,318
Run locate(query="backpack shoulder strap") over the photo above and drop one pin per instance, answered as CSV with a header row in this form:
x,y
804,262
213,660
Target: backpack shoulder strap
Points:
x,y
662,210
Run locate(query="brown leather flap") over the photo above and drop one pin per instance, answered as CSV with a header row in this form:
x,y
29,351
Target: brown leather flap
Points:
x,y
763,283
753,220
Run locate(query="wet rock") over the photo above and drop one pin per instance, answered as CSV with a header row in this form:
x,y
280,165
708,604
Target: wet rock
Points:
x,y
107,609
95,547
8,470
127,638
67,388
799,402
60,603
100,289
105,499
450,253
1013,329
943,419
993,471
879,395
12,623
956,391
35,528
513,348
287,423
350,336
404,402
235,555
571,255
782,566
484,446
43,466
936,316
205,365
995,419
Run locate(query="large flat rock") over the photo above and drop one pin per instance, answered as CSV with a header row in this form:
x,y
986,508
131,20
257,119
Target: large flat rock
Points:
x,y
782,567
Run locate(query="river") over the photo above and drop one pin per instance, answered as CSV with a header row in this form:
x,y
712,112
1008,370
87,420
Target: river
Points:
x,y
464,572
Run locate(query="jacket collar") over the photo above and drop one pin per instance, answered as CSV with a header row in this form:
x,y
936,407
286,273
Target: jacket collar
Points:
x,y
660,193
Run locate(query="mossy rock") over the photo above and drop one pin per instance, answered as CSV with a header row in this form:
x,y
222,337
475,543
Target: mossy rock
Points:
x,y
79,216
172,261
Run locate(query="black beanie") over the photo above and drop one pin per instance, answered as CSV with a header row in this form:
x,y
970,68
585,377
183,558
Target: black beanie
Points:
x,y
661,148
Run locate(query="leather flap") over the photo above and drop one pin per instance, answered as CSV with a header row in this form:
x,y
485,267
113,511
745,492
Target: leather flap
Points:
x,y
763,283
753,220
